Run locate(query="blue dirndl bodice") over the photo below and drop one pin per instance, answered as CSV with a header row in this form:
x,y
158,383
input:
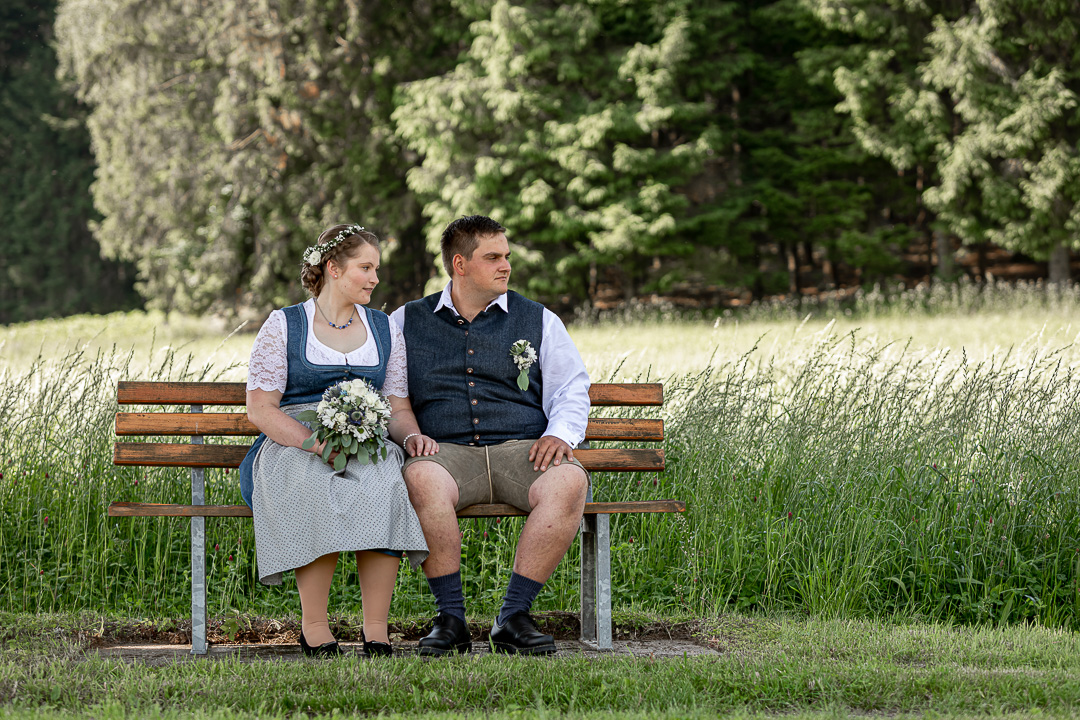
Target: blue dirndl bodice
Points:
x,y
307,381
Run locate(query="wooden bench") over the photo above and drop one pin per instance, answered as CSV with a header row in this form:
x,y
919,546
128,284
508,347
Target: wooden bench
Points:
x,y
197,455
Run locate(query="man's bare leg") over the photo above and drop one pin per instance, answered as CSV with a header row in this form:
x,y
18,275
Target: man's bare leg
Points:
x,y
558,500
434,494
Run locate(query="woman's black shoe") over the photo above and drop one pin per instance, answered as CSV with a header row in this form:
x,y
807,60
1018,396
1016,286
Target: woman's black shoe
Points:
x,y
376,648
330,649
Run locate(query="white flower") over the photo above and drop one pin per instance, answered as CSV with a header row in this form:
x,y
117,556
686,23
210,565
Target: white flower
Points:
x,y
313,257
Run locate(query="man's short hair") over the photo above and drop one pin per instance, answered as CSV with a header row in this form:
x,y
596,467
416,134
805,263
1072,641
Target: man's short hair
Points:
x,y
463,235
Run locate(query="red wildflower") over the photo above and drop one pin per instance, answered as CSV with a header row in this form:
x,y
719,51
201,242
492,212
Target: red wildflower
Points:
x,y
230,558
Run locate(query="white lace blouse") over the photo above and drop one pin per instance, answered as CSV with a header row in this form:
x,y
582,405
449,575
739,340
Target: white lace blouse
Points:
x,y
268,368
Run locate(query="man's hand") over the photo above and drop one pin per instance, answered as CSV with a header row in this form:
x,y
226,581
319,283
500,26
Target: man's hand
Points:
x,y
549,450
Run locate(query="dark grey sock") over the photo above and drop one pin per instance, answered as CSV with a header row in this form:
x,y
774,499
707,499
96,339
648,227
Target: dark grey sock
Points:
x,y
448,594
520,594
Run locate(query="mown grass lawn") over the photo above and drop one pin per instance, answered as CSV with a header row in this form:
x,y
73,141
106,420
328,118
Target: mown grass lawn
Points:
x,y
766,667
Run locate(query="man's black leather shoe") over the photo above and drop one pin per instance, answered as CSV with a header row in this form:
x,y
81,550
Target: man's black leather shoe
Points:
x,y
520,635
448,635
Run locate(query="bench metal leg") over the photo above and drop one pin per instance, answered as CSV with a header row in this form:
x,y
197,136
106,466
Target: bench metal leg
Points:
x,y
588,579
596,581
198,556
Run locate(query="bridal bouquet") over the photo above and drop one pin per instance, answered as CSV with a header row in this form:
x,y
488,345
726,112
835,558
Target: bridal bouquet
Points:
x,y
351,418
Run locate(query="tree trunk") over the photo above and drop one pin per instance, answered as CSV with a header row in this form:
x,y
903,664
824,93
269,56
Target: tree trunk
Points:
x,y
828,273
943,245
793,269
1059,264
592,282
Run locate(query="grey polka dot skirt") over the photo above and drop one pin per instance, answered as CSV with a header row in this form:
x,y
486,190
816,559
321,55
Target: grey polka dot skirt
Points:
x,y
304,509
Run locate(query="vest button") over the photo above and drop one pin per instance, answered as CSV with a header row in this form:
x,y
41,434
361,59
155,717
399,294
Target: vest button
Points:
x,y
468,370
460,321
476,421
471,383
473,402
470,351
475,437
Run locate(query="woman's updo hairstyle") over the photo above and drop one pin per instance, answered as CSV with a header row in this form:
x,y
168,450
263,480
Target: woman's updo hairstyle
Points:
x,y
337,242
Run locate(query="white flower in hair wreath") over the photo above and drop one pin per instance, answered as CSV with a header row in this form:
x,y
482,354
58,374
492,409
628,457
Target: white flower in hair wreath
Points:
x,y
524,356
314,254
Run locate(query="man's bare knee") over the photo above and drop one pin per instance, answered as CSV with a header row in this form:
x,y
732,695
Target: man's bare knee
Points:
x,y
565,485
430,485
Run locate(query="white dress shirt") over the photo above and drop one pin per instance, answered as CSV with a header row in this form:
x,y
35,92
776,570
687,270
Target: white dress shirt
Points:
x,y
565,398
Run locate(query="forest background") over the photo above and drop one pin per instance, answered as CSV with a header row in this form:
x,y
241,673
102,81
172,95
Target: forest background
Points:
x,y
180,155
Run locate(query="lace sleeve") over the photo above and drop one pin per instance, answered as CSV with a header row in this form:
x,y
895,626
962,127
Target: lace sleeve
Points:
x,y
397,372
268,368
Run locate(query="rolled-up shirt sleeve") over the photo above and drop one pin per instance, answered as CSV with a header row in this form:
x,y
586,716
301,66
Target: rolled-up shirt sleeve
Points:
x,y
566,383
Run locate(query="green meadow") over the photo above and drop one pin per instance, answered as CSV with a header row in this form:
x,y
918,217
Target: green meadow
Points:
x,y
914,455
893,468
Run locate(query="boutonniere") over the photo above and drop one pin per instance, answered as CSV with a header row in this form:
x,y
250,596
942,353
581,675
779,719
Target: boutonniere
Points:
x,y
524,356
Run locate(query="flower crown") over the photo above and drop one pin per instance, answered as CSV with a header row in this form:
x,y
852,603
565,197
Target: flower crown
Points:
x,y
314,254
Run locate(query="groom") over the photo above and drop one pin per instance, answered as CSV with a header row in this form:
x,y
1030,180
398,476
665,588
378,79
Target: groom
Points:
x,y
506,429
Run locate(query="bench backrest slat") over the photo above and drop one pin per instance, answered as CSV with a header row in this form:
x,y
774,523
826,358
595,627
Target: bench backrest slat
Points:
x,y
220,393
230,456
237,424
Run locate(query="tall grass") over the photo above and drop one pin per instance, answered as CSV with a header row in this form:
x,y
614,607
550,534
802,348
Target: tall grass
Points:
x,y
846,478
834,475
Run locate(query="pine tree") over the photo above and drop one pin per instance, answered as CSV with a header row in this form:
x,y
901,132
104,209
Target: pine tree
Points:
x,y
592,131
978,98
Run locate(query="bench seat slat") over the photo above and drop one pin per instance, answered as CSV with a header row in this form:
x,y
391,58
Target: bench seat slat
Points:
x,y
230,456
125,509
130,392
236,424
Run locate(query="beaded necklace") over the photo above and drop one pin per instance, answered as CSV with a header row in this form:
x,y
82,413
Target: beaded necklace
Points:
x,y
328,322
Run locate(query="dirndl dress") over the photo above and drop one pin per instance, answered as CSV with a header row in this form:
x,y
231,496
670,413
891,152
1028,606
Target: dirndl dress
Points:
x,y
303,508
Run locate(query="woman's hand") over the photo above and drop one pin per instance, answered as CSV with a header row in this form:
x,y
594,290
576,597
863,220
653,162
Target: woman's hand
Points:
x,y
421,445
318,450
